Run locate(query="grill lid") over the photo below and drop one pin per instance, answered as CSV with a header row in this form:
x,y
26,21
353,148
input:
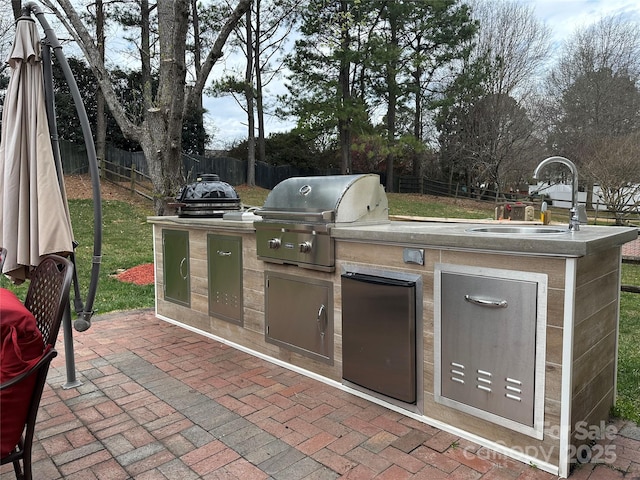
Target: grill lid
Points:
x,y
206,197
207,187
328,199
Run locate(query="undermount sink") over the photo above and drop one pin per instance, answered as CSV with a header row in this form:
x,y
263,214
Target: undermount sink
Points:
x,y
511,230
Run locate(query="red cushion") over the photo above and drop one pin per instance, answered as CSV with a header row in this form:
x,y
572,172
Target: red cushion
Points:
x,y
21,348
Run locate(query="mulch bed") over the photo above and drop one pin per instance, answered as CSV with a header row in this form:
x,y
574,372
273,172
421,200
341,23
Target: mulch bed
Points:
x,y
139,275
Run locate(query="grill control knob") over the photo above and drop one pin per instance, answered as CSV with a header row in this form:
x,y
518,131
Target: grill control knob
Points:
x,y
274,243
305,247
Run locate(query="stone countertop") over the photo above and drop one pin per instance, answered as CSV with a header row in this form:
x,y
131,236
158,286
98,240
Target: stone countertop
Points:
x,y
174,221
589,239
454,235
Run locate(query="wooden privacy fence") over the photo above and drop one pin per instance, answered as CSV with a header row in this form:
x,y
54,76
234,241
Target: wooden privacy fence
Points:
x,y
130,168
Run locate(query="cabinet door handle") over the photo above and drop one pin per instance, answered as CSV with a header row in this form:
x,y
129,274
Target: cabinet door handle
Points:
x,y
320,312
486,302
223,254
182,262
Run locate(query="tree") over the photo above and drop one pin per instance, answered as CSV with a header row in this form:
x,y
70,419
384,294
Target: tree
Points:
x,y
323,89
7,32
359,64
288,148
261,39
411,45
129,89
453,113
442,38
588,87
594,97
598,105
616,167
160,131
490,133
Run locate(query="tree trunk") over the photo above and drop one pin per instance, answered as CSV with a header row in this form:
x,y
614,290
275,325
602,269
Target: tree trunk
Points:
x,y
197,65
164,160
145,66
16,5
248,92
344,124
163,134
101,124
392,87
258,94
417,120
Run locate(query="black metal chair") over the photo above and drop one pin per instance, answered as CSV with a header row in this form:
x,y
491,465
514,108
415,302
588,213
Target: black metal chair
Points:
x,y
48,295
47,299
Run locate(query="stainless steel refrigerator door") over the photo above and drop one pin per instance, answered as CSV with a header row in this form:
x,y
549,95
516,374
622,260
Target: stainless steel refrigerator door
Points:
x,y
379,335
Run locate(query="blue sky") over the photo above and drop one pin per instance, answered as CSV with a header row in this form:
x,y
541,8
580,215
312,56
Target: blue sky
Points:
x,y
563,17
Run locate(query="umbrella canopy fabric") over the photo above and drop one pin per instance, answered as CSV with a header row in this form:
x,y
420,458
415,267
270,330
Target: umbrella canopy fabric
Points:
x,y
34,216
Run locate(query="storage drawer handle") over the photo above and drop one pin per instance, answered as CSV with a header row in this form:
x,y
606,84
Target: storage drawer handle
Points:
x,y
224,254
182,262
485,302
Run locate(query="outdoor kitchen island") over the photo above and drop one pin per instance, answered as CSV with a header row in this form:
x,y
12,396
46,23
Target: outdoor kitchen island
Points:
x,y
561,339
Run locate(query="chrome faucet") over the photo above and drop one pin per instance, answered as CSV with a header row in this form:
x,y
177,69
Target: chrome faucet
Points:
x,y
574,217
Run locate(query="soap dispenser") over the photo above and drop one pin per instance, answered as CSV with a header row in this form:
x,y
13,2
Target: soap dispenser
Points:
x,y
544,214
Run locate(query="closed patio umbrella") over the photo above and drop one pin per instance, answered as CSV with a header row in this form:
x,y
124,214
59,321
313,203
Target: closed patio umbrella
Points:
x,y
34,217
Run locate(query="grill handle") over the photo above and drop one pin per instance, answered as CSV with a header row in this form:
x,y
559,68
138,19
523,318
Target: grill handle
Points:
x,y
326,216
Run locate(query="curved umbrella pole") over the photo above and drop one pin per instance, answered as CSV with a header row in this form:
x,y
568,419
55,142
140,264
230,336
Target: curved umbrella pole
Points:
x,y
55,145
51,41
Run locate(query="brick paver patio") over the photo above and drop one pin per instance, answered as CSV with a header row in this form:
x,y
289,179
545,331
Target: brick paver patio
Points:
x,y
160,402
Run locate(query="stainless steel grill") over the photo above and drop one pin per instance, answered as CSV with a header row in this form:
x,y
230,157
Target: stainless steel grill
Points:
x,y
299,213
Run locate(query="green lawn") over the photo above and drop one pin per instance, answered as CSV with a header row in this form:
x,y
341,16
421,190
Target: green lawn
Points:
x,y
127,242
628,402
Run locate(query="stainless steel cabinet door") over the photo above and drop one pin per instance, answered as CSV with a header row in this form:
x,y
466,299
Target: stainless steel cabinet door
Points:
x,y
175,255
299,314
488,338
224,257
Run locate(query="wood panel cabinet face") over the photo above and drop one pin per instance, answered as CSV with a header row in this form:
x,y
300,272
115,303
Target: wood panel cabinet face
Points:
x,y
175,251
488,337
299,315
224,261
